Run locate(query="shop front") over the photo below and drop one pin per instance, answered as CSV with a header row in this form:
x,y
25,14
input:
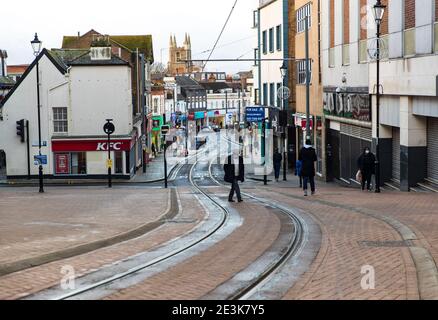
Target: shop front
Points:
x,y
87,158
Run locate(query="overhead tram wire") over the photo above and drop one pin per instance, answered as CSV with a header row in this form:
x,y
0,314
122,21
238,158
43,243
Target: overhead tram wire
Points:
x,y
220,35
224,45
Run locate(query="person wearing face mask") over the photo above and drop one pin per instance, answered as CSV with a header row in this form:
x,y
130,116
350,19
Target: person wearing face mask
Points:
x,y
366,164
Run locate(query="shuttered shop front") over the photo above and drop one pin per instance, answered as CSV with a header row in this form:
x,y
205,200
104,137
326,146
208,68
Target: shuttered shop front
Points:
x,y
432,148
396,154
354,139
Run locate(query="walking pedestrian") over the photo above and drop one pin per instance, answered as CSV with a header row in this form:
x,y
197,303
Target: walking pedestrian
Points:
x,y
234,172
366,164
154,150
308,158
278,158
298,171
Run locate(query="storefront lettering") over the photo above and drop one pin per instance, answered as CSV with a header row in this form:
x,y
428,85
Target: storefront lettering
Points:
x,y
103,146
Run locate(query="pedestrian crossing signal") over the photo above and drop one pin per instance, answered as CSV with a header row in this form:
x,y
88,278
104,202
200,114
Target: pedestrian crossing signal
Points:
x,y
20,129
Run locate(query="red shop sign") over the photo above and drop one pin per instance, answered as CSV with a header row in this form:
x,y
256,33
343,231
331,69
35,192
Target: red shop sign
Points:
x,y
91,145
62,163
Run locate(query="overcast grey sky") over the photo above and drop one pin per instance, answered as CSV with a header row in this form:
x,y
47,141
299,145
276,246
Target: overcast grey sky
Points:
x,y
203,19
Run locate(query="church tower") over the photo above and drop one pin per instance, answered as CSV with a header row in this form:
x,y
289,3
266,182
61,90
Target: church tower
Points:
x,y
179,55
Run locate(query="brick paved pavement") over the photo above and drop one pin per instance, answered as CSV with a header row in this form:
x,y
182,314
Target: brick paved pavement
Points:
x,y
352,240
32,224
23,283
199,275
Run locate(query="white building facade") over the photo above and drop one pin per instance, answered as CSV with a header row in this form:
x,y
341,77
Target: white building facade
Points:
x,y
76,98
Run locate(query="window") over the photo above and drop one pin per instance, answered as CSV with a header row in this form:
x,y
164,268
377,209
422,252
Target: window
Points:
x,y
272,94
119,162
255,23
279,38
301,71
256,57
271,40
302,13
60,122
264,42
79,163
265,94
155,105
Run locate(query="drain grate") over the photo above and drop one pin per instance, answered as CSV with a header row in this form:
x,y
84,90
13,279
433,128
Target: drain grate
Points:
x,y
386,244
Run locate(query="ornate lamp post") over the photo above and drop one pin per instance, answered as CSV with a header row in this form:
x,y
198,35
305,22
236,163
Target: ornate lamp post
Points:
x,y
283,70
36,46
378,11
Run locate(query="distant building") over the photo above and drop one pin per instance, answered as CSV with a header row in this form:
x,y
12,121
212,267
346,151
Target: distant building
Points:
x,y
6,82
179,57
16,71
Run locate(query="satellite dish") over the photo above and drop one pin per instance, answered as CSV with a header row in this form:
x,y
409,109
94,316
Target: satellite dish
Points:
x,y
373,51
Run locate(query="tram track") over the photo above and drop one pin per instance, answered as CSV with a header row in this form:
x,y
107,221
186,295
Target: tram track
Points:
x,y
135,270
293,249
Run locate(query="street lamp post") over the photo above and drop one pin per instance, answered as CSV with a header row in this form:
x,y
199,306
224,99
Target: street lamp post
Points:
x,y
36,46
283,71
379,11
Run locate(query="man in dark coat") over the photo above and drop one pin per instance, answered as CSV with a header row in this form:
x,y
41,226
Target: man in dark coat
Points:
x,y
308,158
366,164
278,158
233,174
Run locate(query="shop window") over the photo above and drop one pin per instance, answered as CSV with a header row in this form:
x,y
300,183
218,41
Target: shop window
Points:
x,y
79,163
119,162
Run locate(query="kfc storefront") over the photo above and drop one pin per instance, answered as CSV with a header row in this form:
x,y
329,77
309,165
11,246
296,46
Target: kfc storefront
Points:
x,y
87,158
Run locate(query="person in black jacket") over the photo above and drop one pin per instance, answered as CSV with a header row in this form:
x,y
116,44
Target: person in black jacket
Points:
x,y
366,164
308,158
233,174
278,158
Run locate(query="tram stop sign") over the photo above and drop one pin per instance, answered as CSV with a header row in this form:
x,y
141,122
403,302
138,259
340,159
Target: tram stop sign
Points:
x,y
109,128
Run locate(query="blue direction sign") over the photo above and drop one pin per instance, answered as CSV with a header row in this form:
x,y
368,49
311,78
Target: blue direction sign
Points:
x,y
42,159
255,114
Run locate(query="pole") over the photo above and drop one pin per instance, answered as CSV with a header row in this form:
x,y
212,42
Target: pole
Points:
x,y
265,177
378,113
28,149
165,166
308,136
110,184
226,110
40,168
284,133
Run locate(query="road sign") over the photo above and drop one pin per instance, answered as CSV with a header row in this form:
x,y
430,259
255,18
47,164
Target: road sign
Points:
x,y
40,159
109,163
109,128
255,114
165,130
36,144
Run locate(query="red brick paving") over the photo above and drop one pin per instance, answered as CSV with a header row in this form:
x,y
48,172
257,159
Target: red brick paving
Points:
x,y
335,274
199,275
32,224
23,283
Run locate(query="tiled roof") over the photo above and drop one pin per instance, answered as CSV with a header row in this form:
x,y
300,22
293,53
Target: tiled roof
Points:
x,y
6,82
78,57
130,42
17,69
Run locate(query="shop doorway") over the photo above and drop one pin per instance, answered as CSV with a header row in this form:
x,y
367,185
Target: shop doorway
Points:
x,y
2,165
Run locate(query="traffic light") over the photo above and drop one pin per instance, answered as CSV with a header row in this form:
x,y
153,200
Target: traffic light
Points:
x,y
20,129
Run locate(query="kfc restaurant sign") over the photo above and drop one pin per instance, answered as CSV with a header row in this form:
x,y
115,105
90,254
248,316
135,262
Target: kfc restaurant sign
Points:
x,y
92,145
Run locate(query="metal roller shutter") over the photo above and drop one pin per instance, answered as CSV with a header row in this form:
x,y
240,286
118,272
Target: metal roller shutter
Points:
x,y
432,148
396,154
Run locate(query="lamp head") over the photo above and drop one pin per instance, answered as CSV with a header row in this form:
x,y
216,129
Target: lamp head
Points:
x,y
36,45
379,11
